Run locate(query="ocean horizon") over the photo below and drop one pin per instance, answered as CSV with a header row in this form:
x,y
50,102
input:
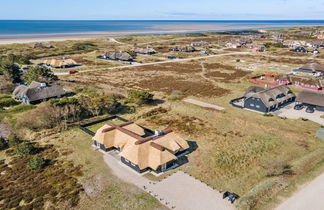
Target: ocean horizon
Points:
x,y
44,28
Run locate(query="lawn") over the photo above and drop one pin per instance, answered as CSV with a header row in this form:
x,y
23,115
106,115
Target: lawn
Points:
x,y
248,153
103,190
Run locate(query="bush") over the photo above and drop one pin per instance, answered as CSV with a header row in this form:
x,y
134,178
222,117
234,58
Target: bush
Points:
x,y
13,140
36,163
139,97
24,149
3,143
5,102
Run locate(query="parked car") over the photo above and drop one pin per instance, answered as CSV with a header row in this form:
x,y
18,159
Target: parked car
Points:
x,y
172,57
73,71
231,196
25,67
310,109
299,107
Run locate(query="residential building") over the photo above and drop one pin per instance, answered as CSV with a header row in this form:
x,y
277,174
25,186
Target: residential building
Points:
x,y
139,148
120,56
201,44
311,98
266,100
183,48
144,50
37,92
59,63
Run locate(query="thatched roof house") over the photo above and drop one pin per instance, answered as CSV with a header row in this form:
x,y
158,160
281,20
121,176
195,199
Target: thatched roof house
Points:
x,y
313,98
201,44
311,68
122,56
144,50
41,45
138,151
258,48
60,63
233,44
183,48
37,92
267,100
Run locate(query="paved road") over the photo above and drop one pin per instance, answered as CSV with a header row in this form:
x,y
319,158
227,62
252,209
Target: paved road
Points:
x,y
160,62
178,191
311,197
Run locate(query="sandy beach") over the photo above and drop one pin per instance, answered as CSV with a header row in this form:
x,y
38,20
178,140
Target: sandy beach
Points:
x,y
182,28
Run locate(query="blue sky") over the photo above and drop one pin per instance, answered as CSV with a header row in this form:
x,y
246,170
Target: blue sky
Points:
x,y
161,9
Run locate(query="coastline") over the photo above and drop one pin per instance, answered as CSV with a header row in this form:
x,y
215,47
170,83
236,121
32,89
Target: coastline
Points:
x,y
166,29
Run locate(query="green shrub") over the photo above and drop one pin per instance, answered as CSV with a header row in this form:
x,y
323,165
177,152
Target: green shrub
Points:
x,y
13,140
5,102
36,163
3,144
139,97
2,96
24,149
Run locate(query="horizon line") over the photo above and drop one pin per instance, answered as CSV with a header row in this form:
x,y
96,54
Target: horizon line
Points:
x,y
164,19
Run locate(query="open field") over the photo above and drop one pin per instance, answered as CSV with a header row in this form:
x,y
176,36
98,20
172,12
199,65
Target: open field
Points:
x,y
259,157
238,150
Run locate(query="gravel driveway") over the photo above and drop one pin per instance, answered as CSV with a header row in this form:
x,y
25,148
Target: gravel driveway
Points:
x,y
311,197
178,191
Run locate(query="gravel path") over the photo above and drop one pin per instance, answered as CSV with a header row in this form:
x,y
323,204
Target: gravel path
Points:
x,y
203,104
178,191
311,197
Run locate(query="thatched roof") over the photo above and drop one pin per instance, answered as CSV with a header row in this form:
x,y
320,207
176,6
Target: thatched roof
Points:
x,y
41,45
59,62
313,67
144,50
38,91
123,56
270,96
311,97
146,152
201,44
183,48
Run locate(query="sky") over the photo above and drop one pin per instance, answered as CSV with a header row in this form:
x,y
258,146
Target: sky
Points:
x,y
162,9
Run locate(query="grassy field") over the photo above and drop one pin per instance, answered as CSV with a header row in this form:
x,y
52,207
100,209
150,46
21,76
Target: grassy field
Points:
x,y
248,153
102,189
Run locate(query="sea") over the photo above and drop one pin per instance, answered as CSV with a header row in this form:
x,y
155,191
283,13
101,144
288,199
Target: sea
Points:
x,y
44,28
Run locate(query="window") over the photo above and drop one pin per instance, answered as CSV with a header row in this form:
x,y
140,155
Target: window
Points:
x,y
252,105
133,164
127,161
257,106
271,99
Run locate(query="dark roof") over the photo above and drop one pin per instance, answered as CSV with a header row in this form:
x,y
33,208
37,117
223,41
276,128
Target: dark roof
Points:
x,y
183,48
311,97
38,91
272,93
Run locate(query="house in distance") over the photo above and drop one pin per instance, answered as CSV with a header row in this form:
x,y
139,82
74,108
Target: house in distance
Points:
x,y
139,148
37,92
118,56
60,63
266,100
144,50
183,48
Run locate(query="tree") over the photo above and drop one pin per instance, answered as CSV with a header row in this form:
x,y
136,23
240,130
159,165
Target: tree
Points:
x,y
24,149
3,143
40,74
36,163
10,70
139,97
